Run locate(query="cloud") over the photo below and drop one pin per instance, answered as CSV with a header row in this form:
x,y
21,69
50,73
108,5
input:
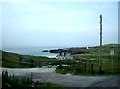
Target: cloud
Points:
x,y
0,27
28,7
104,6
44,17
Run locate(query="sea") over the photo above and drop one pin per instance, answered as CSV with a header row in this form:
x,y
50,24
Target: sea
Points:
x,y
35,51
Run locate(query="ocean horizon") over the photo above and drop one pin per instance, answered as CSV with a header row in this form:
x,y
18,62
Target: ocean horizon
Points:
x,y
35,51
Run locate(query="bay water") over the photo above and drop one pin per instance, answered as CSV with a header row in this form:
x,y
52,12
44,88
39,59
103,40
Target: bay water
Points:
x,y
35,51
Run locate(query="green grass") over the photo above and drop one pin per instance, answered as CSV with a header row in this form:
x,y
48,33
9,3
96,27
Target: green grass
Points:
x,y
94,53
11,60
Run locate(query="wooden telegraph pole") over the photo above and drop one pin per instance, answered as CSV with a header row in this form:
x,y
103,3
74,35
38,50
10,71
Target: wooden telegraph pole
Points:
x,y
100,57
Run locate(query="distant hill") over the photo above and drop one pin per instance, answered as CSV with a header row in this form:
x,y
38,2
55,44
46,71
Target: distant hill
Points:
x,y
86,50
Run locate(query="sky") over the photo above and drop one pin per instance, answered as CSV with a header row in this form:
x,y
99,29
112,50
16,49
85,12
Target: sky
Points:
x,y
69,24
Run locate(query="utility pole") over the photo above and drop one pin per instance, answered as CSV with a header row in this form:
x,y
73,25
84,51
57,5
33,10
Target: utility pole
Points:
x,y
100,58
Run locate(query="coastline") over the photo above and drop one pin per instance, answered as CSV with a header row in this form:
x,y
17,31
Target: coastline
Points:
x,y
32,51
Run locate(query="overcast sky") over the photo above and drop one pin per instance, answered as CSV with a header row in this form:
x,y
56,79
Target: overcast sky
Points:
x,y
68,24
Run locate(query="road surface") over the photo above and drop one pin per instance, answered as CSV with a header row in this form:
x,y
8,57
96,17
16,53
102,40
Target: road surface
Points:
x,y
49,75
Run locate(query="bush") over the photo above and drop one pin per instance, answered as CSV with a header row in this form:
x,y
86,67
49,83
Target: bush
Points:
x,y
12,81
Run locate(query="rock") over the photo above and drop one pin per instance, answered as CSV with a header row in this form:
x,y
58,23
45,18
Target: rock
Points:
x,y
45,51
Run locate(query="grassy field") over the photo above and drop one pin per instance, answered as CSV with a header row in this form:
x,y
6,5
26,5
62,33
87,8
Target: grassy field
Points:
x,y
92,67
107,62
12,60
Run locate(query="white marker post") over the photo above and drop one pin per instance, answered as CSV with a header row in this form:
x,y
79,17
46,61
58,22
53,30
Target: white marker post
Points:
x,y
112,54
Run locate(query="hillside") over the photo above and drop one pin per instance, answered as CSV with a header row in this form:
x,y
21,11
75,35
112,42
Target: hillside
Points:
x,y
95,49
86,50
14,60
90,61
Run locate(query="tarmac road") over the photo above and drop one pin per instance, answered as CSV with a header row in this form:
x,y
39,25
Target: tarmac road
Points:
x,y
49,75
113,81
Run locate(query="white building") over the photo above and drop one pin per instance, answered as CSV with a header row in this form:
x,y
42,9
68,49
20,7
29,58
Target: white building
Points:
x,y
64,56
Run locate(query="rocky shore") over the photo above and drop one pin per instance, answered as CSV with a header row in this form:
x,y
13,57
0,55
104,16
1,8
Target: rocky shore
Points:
x,y
69,50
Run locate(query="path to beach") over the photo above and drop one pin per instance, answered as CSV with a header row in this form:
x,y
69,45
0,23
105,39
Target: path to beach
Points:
x,y
49,75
